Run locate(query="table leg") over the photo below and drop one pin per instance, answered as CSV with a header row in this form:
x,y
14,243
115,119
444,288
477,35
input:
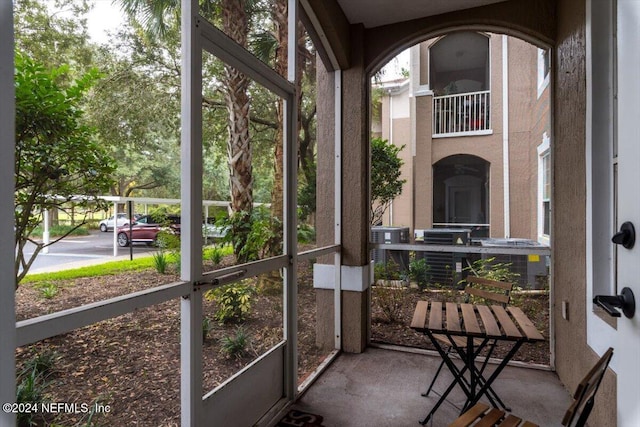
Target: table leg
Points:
x,y
469,356
457,375
494,375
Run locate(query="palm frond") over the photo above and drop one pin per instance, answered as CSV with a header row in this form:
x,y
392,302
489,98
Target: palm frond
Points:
x,y
263,46
150,14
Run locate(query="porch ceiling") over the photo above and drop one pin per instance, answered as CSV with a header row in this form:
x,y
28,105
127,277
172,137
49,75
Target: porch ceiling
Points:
x,y
374,13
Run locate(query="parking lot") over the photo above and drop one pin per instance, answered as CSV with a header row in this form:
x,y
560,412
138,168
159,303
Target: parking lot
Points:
x,y
76,250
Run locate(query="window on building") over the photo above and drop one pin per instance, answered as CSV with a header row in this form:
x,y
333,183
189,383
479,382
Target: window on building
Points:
x,y
544,190
544,68
546,193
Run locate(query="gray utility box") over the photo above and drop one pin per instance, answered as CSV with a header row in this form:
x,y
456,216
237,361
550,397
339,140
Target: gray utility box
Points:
x,y
388,235
445,267
529,267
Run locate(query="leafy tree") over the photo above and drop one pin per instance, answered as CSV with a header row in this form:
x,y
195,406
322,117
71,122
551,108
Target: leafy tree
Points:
x,y
54,38
135,120
386,184
56,156
235,18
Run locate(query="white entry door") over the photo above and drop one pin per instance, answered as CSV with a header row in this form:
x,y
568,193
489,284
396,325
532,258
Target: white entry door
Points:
x,y
627,347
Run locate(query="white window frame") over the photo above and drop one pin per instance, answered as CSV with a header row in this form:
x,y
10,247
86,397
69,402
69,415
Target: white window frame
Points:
x,y
544,151
543,72
600,139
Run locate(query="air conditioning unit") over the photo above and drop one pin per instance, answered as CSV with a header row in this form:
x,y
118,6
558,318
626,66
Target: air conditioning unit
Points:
x,y
529,267
389,235
445,268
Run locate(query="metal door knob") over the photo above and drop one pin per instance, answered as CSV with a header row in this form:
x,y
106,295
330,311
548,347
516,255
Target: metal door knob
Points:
x,y
625,301
626,236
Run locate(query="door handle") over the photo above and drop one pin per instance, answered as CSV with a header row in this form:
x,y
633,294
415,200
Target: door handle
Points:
x,y
625,301
626,236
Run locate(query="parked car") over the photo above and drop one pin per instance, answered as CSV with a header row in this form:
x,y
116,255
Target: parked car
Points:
x,y
213,233
107,224
146,229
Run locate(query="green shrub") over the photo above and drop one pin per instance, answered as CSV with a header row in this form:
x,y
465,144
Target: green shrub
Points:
x,y
306,233
61,230
30,390
160,261
252,235
216,256
236,345
42,363
168,240
47,290
206,328
177,262
388,271
234,301
390,301
419,272
489,269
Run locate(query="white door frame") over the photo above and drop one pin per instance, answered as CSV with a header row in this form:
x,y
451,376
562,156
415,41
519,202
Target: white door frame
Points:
x,y
613,103
228,402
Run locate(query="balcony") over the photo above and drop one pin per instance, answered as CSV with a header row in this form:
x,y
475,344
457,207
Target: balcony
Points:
x,y
382,387
461,114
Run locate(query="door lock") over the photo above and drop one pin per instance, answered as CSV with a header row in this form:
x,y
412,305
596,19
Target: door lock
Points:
x,y
625,301
626,236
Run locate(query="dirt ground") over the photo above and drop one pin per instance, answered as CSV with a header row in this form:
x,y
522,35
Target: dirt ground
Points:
x,y
131,364
403,301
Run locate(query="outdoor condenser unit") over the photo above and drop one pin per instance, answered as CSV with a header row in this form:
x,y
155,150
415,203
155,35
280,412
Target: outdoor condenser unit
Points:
x,y
529,267
388,235
445,267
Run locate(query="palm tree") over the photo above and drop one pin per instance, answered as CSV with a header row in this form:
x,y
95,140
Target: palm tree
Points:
x,y
235,23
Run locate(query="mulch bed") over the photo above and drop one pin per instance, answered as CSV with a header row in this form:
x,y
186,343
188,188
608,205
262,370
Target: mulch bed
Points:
x,y
392,311
131,364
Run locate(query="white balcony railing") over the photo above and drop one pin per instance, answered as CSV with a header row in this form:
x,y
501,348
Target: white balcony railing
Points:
x,y
461,113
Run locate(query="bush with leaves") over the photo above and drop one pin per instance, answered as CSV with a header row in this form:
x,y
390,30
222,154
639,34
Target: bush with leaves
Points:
x,y
30,391
252,235
387,271
233,300
236,345
206,328
57,156
31,385
48,290
160,261
306,233
489,269
386,184
419,272
390,300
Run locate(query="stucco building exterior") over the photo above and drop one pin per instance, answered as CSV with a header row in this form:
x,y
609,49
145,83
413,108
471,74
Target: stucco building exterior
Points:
x,y
474,119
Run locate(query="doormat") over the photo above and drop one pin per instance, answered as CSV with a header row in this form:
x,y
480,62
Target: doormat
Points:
x,y
295,418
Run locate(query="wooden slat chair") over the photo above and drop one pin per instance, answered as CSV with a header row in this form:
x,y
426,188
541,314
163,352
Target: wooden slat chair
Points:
x,y
481,415
492,292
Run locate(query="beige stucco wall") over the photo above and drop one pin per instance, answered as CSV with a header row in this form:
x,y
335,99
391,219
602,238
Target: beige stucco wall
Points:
x,y
400,213
325,137
523,139
573,356
523,177
423,171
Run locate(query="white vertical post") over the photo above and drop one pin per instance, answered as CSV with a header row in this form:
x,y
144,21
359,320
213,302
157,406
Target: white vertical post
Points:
x,y
46,235
505,136
290,142
7,254
191,228
115,229
337,294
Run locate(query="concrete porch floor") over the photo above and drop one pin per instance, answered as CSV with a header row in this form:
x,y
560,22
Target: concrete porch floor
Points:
x,y
381,387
